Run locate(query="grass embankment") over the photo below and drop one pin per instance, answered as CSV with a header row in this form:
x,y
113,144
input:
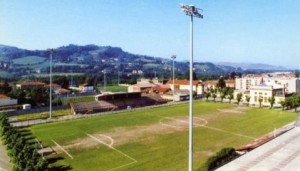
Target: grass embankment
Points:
x,y
156,139
42,115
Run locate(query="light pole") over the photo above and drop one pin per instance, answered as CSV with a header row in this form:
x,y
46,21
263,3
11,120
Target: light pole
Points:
x,y
191,11
173,57
104,72
50,106
118,71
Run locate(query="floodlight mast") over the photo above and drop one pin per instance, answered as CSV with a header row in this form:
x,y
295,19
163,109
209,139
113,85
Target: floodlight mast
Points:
x,y
173,57
51,51
191,11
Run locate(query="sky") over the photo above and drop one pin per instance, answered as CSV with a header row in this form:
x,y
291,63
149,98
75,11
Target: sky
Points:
x,y
255,31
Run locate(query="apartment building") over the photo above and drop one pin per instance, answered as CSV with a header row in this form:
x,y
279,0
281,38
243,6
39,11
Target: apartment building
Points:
x,y
267,85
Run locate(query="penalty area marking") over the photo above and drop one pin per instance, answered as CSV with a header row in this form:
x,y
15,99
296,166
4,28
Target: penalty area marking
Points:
x,y
63,149
110,146
202,125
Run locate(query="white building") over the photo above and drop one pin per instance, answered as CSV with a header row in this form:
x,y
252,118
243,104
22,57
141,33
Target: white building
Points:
x,y
265,92
265,86
185,85
86,88
244,83
291,84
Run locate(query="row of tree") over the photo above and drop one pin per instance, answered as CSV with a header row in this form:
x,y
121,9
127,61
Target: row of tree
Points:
x,y
290,102
23,155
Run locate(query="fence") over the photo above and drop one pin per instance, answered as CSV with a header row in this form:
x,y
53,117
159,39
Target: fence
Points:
x,y
71,117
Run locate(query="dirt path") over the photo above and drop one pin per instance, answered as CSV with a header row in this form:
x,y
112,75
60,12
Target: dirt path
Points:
x,y
4,159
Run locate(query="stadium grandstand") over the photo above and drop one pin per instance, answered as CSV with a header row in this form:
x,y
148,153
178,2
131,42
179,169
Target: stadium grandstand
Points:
x,y
116,101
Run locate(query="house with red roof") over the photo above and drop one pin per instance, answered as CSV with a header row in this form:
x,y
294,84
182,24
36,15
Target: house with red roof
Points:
x,y
177,85
30,85
7,101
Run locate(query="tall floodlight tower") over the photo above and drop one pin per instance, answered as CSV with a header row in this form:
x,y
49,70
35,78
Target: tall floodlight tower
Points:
x,y
104,72
173,57
51,51
191,11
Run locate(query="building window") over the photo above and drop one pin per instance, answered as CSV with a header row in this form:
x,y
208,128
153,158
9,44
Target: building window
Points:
x,y
265,99
255,98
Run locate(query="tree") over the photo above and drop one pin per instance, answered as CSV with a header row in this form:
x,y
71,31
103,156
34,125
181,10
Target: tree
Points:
x,y
221,83
207,95
5,88
239,97
187,75
214,96
222,96
260,99
248,99
63,81
230,97
283,104
271,101
295,101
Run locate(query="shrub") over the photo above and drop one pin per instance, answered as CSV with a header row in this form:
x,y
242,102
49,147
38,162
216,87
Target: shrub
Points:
x,y
220,158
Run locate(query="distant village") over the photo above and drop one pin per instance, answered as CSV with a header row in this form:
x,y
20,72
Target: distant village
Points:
x,y
258,90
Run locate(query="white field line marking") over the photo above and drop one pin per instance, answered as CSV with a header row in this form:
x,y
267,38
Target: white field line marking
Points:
x,y
108,137
133,160
204,125
122,166
183,121
221,130
63,149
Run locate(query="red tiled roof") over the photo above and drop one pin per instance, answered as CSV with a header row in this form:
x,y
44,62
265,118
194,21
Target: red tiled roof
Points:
x,y
182,82
230,81
2,96
54,85
214,82
35,83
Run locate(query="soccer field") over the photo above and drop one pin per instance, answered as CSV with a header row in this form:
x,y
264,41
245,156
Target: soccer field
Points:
x,y
154,139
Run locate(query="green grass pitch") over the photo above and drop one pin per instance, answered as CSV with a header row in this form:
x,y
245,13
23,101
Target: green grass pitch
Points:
x,y
155,139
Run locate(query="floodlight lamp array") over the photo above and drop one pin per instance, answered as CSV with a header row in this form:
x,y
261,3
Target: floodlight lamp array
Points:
x,y
191,10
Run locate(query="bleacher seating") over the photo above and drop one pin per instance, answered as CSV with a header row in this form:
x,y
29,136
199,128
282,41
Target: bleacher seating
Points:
x,y
116,102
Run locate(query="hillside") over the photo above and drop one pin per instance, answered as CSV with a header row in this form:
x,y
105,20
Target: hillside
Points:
x,y
94,59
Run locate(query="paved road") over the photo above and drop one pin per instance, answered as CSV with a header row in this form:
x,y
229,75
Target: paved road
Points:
x,y
4,159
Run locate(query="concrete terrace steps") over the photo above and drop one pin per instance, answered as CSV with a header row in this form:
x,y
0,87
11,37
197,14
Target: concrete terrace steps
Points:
x,y
281,153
